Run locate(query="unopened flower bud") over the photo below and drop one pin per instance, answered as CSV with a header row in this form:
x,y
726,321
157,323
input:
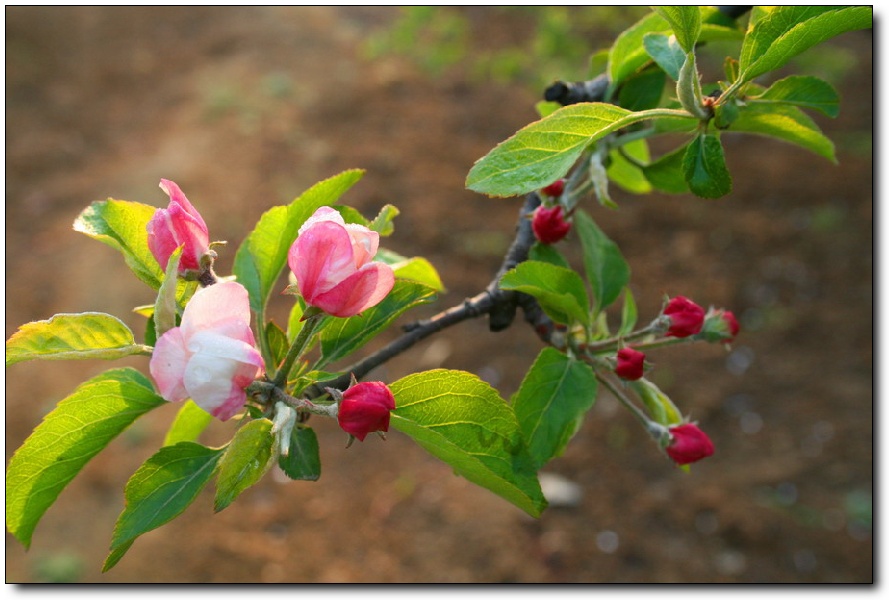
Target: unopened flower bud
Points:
x,y
630,364
554,189
720,326
365,408
549,224
686,317
180,224
688,444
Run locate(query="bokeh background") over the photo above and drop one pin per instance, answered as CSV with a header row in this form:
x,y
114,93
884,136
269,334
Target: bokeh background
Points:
x,y
247,107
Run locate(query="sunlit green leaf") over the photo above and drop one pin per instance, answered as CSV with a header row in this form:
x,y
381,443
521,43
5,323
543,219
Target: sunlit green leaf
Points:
x,y
382,223
123,226
787,31
805,92
68,438
786,123
70,336
627,53
685,22
543,151
463,421
559,291
190,422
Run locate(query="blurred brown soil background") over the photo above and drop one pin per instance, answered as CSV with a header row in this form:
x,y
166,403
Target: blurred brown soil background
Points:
x,y
247,107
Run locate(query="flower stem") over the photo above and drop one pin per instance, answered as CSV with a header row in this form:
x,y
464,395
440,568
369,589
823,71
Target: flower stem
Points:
x,y
621,397
296,350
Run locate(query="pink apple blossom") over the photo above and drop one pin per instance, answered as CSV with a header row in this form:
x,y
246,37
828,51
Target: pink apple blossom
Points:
x,y
334,267
211,357
180,224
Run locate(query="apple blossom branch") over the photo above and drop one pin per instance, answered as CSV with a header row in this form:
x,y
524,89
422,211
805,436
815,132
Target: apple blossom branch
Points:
x,y
500,305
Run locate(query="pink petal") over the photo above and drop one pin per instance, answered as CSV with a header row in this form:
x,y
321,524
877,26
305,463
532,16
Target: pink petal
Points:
x,y
167,365
358,292
222,306
320,258
178,197
365,244
322,215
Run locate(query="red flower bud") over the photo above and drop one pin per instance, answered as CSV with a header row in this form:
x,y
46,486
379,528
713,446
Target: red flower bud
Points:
x,y
549,224
686,317
630,364
732,323
688,444
365,408
554,189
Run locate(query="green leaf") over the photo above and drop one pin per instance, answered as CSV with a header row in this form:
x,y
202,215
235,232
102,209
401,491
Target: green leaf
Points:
x,y
382,223
550,405
628,54
606,269
263,254
786,123
628,314
666,173
246,459
666,52
69,336
685,22
803,91
643,90
560,291
190,422
657,403
73,433
461,420
704,167
549,254
342,337
278,342
543,151
165,305
159,491
627,174
788,31
123,226
304,461
416,269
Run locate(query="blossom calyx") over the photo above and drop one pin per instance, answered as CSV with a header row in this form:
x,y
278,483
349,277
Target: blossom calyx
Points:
x,y
630,364
211,357
364,408
180,224
686,317
334,267
688,444
549,224
720,326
